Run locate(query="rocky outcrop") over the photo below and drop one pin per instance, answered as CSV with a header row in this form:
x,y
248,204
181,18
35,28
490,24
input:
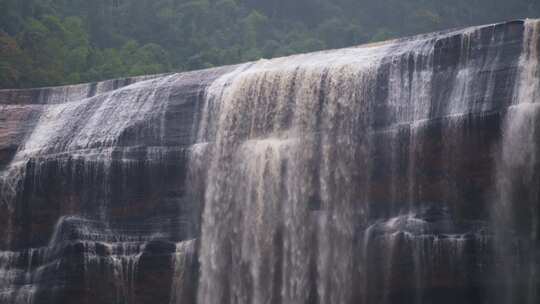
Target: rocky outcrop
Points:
x,y
401,172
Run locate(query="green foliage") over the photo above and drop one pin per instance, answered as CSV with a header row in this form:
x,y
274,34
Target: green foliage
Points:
x,y
12,61
53,42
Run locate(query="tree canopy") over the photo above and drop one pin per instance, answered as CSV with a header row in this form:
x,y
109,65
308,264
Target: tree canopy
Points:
x,y
54,42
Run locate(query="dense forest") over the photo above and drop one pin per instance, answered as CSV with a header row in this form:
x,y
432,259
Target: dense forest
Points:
x,y
53,42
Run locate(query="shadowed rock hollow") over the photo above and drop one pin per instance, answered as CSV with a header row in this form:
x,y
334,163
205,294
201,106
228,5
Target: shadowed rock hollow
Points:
x,y
400,172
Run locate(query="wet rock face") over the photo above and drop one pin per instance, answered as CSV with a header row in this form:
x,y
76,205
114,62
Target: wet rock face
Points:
x,y
403,172
94,198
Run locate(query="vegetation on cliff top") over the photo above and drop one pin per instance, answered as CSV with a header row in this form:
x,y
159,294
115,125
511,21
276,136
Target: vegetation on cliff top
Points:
x,y
53,42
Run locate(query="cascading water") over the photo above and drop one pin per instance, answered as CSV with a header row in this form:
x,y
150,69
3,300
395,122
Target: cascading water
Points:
x,y
182,288
289,180
400,172
80,166
518,179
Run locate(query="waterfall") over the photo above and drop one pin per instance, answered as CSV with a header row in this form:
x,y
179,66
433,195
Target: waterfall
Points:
x,y
182,263
273,126
81,163
290,163
517,208
406,171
